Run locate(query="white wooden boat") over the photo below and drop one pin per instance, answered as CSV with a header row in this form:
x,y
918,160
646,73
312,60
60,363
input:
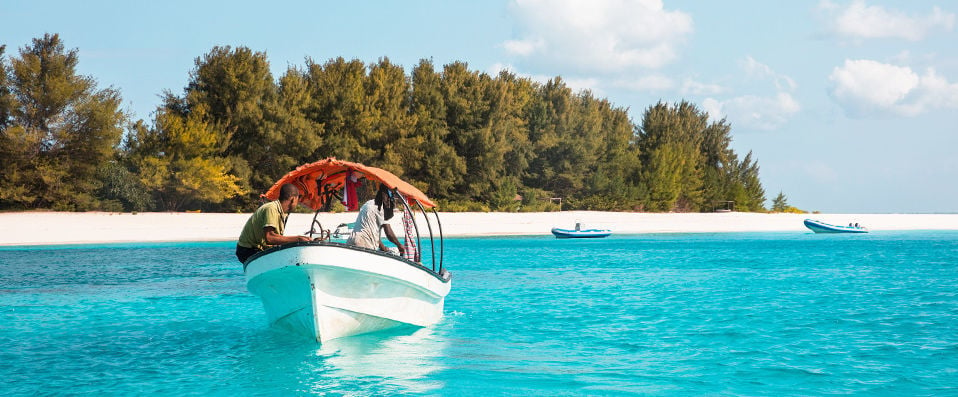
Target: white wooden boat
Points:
x,y
330,290
327,290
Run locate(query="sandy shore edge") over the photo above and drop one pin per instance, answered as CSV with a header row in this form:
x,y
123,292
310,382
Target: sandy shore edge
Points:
x,y
42,228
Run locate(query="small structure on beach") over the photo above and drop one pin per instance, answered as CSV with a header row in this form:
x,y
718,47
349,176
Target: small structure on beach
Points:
x,y
724,206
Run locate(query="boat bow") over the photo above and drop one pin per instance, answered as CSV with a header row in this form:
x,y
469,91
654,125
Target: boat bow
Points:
x,y
330,290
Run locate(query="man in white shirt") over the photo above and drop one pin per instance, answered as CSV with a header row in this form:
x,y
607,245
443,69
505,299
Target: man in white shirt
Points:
x,y
372,219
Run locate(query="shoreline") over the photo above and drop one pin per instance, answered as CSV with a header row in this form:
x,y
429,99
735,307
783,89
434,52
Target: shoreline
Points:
x,y
59,228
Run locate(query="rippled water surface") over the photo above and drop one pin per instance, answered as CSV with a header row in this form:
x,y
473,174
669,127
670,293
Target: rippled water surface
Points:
x,y
734,314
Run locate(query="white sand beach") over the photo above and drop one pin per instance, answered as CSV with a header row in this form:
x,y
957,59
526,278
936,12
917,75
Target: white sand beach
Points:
x,y
41,228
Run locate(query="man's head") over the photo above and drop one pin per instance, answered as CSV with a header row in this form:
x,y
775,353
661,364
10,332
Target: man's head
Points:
x,y
384,200
288,196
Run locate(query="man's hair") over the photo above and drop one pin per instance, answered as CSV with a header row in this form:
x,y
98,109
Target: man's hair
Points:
x,y
384,200
288,190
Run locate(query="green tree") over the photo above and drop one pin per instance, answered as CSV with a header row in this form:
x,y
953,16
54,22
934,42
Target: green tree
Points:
x,y
7,101
669,141
121,189
468,139
430,161
178,159
663,176
260,123
780,203
718,161
613,183
546,122
390,122
507,150
467,117
11,187
58,127
290,136
338,101
748,177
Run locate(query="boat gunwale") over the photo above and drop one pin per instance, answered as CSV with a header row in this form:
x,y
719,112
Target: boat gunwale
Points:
x,y
582,231
445,277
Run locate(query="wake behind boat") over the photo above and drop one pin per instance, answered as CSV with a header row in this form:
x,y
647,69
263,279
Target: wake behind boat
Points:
x,y
328,290
822,227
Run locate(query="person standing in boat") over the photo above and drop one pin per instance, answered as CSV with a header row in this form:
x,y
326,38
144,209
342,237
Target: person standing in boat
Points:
x,y
266,226
372,219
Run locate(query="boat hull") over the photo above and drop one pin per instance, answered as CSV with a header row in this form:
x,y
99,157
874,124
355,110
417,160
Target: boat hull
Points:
x,y
588,233
331,290
822,227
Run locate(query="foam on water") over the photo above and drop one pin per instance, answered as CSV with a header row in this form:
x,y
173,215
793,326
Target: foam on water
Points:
x,y
741,313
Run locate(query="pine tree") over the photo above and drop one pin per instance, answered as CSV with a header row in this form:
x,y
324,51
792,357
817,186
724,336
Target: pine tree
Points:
x,y
259,125
338,101
388,96
670,142
467,117
430,161
57,128
780,203
179,160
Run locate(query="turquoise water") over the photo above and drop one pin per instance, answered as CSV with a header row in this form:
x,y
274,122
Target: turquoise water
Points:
x,y
729,314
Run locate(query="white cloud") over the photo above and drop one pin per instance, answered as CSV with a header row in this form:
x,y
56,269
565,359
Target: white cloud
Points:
x,y
758,70
937,91
754,112
860,21
499,67
587,84
902,57
871,83
652,82
761,112
605,36
590,84
865,87
695,88
521,47
714,109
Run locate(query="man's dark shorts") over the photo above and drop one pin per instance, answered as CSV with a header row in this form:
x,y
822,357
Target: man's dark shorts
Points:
x,y
243,253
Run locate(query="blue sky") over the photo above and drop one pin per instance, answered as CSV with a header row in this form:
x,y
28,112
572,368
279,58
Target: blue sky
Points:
x,y
848,106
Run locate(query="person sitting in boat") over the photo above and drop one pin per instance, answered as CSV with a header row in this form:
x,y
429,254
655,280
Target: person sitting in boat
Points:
x,y
372,219
266,226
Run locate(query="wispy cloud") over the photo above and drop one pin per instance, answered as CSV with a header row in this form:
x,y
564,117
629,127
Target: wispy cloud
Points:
x,y
575,84
760,112
757,70
650,82
859,21
697,88
866,87
754,112
599,36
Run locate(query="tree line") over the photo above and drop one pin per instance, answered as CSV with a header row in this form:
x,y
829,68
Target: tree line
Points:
x,y
470,140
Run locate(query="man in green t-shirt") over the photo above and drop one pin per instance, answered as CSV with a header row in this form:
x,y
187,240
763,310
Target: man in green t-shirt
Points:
x,y
267,224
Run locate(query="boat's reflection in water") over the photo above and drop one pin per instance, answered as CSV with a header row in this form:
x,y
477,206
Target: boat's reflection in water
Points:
x,y
400,360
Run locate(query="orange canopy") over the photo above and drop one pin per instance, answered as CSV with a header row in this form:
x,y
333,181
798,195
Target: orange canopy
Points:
x,y
316,180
